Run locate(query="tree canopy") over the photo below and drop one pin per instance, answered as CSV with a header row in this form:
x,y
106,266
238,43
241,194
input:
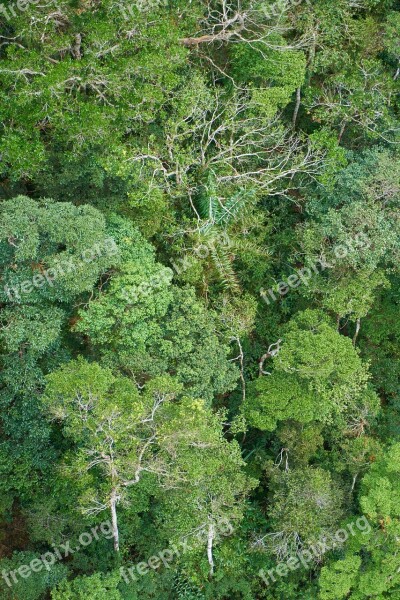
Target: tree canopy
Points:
x,y
199,300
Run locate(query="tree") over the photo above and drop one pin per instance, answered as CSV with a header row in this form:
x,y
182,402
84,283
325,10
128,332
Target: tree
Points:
x,y
214,503
317,375
371,564
51,253
115,431
121,436
33,587
305,508
197,153
338,581
352,244
87,87
350,84
147,326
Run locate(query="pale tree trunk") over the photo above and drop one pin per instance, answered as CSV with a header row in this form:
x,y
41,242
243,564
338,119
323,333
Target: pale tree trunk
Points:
x,y
395,76
296,108
272,350
358,324
76,50
114,519
341,132
241,359
210,540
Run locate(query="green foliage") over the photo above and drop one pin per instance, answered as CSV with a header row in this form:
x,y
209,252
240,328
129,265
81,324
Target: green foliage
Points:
x,y
121,437
337,582
276,73
50,254
36,237
95,587
305,507
32,587
146,325
369,568
317,374
163,163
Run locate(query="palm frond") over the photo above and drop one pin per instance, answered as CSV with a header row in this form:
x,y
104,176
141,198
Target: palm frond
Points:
x,y
222,260
219,212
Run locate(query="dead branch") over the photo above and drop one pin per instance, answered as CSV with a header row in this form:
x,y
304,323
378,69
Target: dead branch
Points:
x,y
272,351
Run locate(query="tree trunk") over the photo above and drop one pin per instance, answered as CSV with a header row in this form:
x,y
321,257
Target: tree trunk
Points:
x,y
395,76
114,519
341,132
210,539
358,323
242,378
76,50
296,108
